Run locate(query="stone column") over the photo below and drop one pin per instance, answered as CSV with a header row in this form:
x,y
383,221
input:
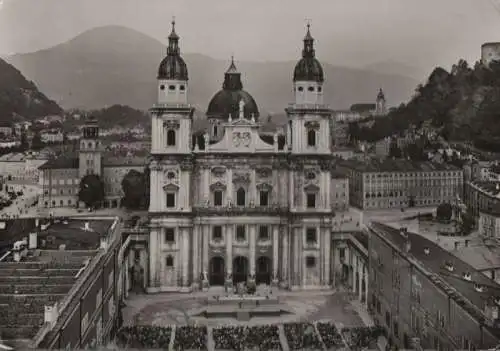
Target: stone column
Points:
x,y
291,185
206,184
328,248
275,250
196,252
185,256
355,269
229,248
295,273
253,188
230,192
153,256
360,292
252,249
365,278
205,238
187,189
327,191
285,251
275,197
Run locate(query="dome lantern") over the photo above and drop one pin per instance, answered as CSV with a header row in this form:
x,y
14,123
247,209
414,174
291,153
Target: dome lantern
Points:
x,y
173,67
308,68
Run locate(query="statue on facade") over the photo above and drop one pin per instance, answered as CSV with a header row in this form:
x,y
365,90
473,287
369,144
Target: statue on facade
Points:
x,y
206,139
228,284
242,111
251,285
204,280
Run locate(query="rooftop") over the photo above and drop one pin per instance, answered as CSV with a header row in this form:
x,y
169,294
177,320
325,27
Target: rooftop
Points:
x,y
490,187
31,279
481,257
401,165
437,258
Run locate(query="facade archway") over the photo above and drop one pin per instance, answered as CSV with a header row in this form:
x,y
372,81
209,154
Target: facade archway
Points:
x,y
240,269
263,271
217,269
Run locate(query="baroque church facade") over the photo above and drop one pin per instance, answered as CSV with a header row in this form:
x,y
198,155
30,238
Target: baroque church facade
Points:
x,y
230,204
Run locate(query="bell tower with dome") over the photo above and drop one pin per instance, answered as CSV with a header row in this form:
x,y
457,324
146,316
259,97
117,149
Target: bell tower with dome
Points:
x,y
309,119
171,168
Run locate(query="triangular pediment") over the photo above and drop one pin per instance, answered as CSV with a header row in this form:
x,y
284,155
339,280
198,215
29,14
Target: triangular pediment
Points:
x,y
171,187
311,188
217,186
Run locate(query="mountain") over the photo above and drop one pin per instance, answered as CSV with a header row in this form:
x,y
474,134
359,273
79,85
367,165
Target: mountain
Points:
x,y
20,97
117,65
397,68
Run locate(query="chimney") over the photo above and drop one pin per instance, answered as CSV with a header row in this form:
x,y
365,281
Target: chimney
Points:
x,y
407,246
104,243
87,226
33,242
37,222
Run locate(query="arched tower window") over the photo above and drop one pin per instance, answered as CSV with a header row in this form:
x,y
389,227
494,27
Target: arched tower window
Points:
x,y
240,197
215,131
90,145
311,137
171,137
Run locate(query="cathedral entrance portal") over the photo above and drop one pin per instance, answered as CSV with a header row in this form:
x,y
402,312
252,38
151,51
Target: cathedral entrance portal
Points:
x,y
263,274
217,269
240,269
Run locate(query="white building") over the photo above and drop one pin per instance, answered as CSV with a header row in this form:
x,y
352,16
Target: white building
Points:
x,y
227,206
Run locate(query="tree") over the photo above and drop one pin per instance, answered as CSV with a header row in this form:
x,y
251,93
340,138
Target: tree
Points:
x,y
444,211
91,190
134,188
37,143
394,150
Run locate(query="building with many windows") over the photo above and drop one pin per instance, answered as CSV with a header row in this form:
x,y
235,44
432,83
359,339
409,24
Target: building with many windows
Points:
x,y
60,177
230,204
422,293
60,282
401,183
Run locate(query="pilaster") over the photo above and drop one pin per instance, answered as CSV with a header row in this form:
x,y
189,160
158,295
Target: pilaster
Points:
x,y
196,252
285,252
230,191
206,184
153,257
205,239
328,248
253,188
275,250
229,248
291,185
252,249
185,256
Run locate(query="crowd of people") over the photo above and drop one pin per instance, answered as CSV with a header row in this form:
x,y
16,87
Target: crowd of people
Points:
x,y
330,335
302,336
299,336
190,338
359,338
264,337
139,337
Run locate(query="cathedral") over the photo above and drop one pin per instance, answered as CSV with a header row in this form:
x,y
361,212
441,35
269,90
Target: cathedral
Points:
x,y
230,204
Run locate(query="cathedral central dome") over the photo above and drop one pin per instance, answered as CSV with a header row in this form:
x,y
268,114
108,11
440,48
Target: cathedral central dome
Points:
x,y
226,101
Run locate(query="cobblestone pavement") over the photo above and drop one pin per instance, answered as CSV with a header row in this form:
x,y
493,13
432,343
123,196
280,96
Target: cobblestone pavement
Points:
x,y
168,309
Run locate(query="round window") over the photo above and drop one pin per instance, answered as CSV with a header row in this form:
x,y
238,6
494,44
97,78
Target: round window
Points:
x,y
300,89
310,88
171,87
170,175
162,87
311,175
182,88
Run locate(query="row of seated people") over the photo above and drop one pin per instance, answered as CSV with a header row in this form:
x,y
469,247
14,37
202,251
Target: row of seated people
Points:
x,y
264,337
330,335
190,338
138,337
302,336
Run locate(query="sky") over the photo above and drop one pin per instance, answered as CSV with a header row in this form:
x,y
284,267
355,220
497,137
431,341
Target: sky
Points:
x,y
419,33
